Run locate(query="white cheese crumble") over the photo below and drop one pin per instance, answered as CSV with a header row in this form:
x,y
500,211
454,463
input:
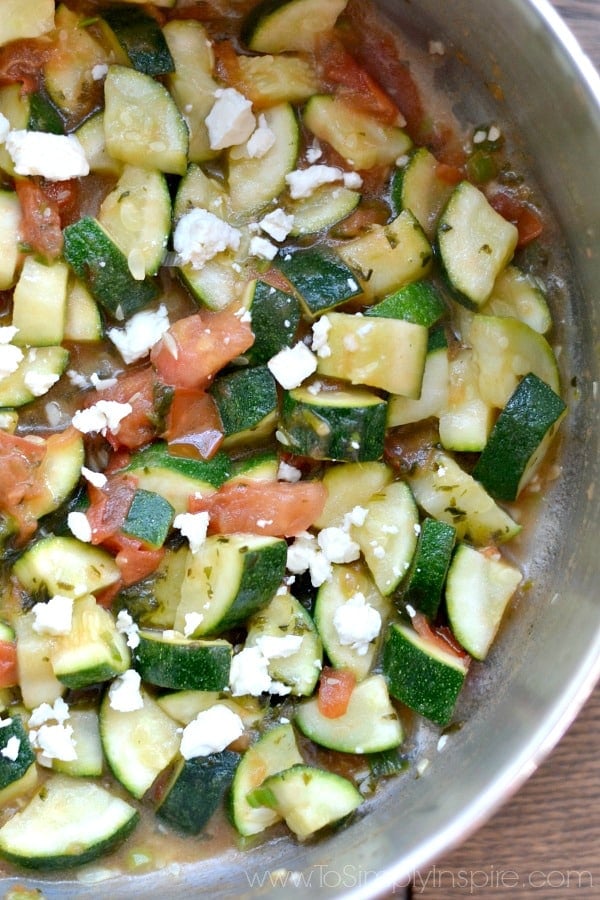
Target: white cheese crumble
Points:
x,y
261,140
7,332
54,617
211,731
99,71
124,693
11,358
357,623
125,625
141,333
55,742
249,673
199,235
230,120
98,479
292,365
263,248
437,48
43,713
304,182
337,545
277,224
287,472
320,333
279,647
314,152
103,416
79,526
102,384
56,157
193,620
305,555
11,750
357,516
192,526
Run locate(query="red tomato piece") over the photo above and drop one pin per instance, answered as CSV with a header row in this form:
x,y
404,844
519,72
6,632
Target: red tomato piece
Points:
x,y
440,636
22,61
109,506
194,427
66,196
335,690
513,209
19,459
196,347
342,73
277,509
135,560
40,219
9,673
138,389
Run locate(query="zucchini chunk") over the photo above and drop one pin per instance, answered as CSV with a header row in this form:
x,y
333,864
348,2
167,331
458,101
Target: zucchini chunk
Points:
x,y
427,575
422,675
40,303
321,279
83,321
64,565
196,789
275,319
40,368
467,420
275,26
349,485
142,40
417,187
10,220
369,725
325,207
434,389
247,404
26,20
169,660
419,302
69,822
86,737
308,798
520,296
18,771
149,518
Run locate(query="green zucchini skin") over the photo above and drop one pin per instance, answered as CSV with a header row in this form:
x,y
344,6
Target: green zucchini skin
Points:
x,y
149,518
430,566
12,770
245,400
419,302
196,790
142,40
182,664
275,320
321,279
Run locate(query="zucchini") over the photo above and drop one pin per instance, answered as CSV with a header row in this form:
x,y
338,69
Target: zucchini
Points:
x,y
478,591
350,485
169,660
184,706
18,770
28,19
388,535
256,466
104,269
218,284
345,425
247,404
520,439
59,472
230,578
152,602
521,296
149,518
362,140
421,674
142,124
141,39
475,244
66,566
419,302
348,581
429,568
40,303
268,80
369,725
40,368
308,798
10,222
86,737
255,182
417,187
434,392
67,823
196,789
37,680
275,26
197,191
320,278
137,217
388,256
83,321
467,420
382,353
275,319
138,745
273,752
325,207
92,137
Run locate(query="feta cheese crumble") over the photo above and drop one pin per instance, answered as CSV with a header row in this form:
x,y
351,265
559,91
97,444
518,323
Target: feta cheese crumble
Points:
x,y
200,235
4,128
292,365
263,248
279,647
320,333
56,157
59,712
125,625
192,526
193,620
103,416
79,526
287,472
357,623
54,617
337,545
211,731
277,224
261,140
249,673
10,356
54,742
11,750
124,693
304,182
140,334
305,555
98,479
230,120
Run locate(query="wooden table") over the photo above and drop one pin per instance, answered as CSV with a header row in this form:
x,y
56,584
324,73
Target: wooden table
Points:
x,y
545,843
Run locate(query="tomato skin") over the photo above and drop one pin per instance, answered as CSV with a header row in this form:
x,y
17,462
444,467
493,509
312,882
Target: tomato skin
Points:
x,y
22,61
9,672
109,506
19,459
134,559
275,509
194,427
335,690
138,389
198,346
513,209
40,219
440,636
342,73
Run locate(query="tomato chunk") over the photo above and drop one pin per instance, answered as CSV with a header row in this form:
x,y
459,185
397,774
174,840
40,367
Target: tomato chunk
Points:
x,y
440,636
9,673
137,388
335,690
135,560
22,61
195,348
194,427
341,72
109,506
19,459
276,509
40,219
513,209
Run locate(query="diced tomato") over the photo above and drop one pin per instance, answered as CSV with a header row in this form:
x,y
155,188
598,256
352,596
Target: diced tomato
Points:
x,y
195,348
449,174
40,219
66,195
138,389
440,635
227,66
135,560
278,509
22,61
515,210
19,459
9,673
341,73
109,506
105,597
335,690
194,426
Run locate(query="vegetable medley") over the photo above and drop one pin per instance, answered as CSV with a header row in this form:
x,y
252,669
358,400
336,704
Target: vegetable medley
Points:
x,y
275,384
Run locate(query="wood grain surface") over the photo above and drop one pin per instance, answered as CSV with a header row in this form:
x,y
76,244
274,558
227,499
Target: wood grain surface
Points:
x,y
545,843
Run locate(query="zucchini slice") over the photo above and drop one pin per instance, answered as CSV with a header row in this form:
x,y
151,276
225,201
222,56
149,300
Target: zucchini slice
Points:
x,y
349,485
466,421
419,302
247,404
86,737
40,303
66,566
169,660
418,187
369,725
325,207
275,319
275,26
321,279
196,789
10,220
40,368
521,296
149,518
434,391
429,568
142,40
68,822
26,20
18,776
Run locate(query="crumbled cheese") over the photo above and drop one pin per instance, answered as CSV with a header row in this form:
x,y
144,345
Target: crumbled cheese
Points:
x,y
98,479
211,731
78,380
292,365
337,545
494,133
442,742
141,333
192,526
43,713
320,333
480,136
102,384
11,750
4,129
249,673
55,742
277,224
124,693
286,472
53,617
79,526
199,235
99,71
352,180
275,647
125,625
314,152
230,120
305,555
263,248
56,157
4,723
39,383
304,182
261,140
356,516
193,620
357,623
103,416
7,332
11,358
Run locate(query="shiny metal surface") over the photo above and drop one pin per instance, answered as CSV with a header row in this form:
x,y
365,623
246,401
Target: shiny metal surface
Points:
x,y
548,658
